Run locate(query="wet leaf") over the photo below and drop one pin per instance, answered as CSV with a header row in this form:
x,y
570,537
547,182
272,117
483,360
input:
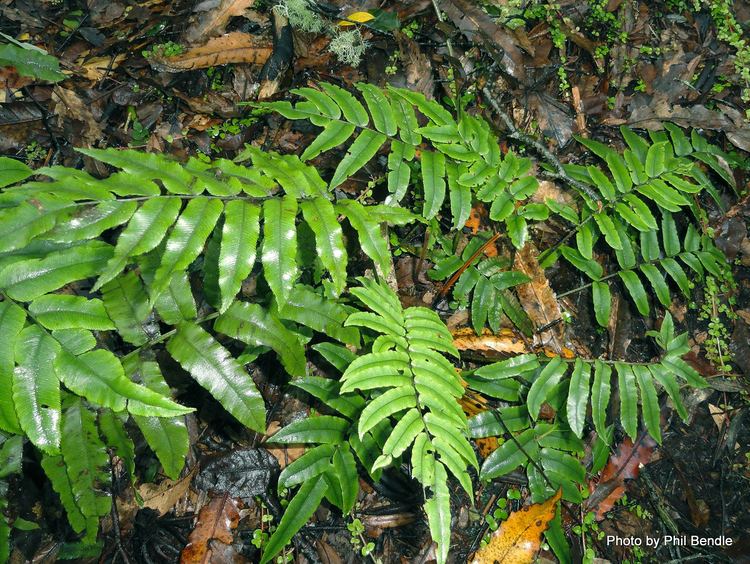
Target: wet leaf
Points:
x,y
623,465
211,539
518,539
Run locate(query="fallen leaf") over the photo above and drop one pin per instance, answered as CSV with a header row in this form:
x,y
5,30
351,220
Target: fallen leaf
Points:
x,y
499,40
355,18
235,47
417,67
211,538
214,22
95,68
518,539
719,416
71,110
539,300
283,453
242,473
623,465
505,341
554,118
473,403
162,497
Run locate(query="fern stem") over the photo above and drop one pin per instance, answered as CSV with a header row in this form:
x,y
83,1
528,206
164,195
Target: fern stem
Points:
x,y
164,336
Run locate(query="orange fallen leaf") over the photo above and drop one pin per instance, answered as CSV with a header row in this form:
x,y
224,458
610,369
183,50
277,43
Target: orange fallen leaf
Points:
x,y
473,403
518,539
539,300
211,539
235,47
505,341
623,465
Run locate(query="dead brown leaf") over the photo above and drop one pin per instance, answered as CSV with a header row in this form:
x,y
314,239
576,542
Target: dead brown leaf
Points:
x,y
162,497
211,539
417,66
500,41
283,453
215,20
623,465
95,68
538,299
506,341
235,47
72,110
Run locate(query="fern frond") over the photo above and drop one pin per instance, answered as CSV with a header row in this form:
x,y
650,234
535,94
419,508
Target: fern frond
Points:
x,y
405,381
465,156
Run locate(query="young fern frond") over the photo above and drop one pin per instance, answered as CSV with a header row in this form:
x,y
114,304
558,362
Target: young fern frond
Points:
x,y
407,376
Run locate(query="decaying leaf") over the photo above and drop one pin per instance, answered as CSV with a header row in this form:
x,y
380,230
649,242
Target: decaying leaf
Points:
x,y
519,537
215,20
235,47
70,108
285,454
242,473
95,68
539,300
473,403
500,41
505,341
211,539
162,497
624,465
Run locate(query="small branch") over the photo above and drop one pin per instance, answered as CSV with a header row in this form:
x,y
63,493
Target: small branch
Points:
x,y
452,280
538,147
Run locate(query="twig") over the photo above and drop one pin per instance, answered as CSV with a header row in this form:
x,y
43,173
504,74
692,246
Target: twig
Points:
x,y
538,147
452,280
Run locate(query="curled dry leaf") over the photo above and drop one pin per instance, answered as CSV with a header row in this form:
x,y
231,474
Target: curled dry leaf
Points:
x,y
623,465
518,539
215,20
211,539
505,341
235,47
539,300
162,497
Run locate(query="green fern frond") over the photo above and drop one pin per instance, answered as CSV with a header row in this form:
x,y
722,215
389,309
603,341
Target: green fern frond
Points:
x,y
465,156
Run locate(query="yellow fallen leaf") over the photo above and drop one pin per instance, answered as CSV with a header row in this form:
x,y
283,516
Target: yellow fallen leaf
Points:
x,y
518,538
358,17
505,341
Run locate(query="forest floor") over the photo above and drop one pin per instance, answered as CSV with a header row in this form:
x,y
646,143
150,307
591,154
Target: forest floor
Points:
x,y
167,77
